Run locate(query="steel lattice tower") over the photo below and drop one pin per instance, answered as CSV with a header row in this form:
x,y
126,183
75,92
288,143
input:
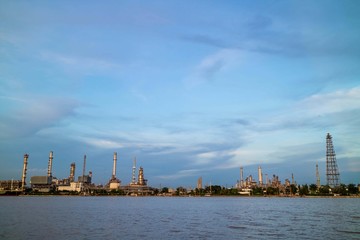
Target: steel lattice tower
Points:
x,y
332,171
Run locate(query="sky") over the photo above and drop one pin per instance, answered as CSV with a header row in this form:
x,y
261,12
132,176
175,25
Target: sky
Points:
x,y
189,88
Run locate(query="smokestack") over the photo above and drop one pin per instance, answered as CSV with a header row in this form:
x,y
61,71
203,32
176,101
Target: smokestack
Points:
x,y
260,176
114,167
23,183
72,172
83,173
50,164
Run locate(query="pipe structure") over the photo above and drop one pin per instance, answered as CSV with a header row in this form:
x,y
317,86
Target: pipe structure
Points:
x,y
260,176
114,166
23,183
72,172
49,173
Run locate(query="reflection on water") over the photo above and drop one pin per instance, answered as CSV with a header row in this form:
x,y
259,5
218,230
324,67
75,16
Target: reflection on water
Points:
x,y
176,218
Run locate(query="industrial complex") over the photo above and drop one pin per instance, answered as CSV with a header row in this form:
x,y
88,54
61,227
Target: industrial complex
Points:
x,y
138,185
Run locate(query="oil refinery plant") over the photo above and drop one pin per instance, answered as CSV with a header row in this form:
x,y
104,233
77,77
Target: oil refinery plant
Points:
x,y
48,183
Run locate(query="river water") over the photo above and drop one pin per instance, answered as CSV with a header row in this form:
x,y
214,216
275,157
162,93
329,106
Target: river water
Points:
x,y
179,218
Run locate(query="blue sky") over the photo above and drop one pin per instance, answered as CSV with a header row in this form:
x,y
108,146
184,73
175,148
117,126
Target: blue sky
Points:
x,y
188,88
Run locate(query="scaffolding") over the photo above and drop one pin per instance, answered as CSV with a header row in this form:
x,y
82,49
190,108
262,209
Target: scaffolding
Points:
x,y
332,171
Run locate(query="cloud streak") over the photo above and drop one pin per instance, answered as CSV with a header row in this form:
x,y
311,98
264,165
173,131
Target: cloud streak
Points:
x,y
32,115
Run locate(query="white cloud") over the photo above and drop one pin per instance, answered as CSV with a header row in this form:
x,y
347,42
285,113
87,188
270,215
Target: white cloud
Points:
x,y
101,143
333,102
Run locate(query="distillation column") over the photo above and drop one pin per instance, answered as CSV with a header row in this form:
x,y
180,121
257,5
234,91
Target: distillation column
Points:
x,y
133,180
141,177
23,183
72,172
260,176
49,173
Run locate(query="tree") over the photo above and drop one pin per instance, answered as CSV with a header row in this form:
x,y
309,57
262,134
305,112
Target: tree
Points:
x,y
180,191
353,189
272,191
304,190
324,190
258,191
313,188
293,188
164,190
342,190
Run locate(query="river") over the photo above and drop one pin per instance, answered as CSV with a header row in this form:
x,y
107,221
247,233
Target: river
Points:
x,y
179,218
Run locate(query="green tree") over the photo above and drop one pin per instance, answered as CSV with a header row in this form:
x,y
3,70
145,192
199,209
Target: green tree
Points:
x,y
324,190
304,190
293,188
258,191
353,189
313,188
342,190
180,191
272,191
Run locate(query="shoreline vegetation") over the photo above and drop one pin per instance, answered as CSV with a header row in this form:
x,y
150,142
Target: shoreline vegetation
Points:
x,y
292,191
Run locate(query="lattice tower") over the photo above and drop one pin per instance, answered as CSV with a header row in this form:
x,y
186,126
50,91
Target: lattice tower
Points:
x,y
332,171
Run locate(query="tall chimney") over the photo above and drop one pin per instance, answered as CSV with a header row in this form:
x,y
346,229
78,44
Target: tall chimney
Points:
x,y
260,176
72,172
114,166
50,164
23,183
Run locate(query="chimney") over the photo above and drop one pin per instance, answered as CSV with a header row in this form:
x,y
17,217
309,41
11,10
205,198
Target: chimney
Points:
x,y
50,164
114,166
23,183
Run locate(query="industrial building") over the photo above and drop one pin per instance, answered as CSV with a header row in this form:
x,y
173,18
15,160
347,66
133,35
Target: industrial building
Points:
x,y
44,183
114,183
139,187
70,185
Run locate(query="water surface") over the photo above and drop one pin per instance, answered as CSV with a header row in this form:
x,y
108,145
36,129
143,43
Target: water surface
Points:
x,y
179,218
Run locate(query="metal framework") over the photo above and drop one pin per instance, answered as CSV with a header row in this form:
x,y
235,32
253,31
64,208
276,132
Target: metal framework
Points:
x,y
332,171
